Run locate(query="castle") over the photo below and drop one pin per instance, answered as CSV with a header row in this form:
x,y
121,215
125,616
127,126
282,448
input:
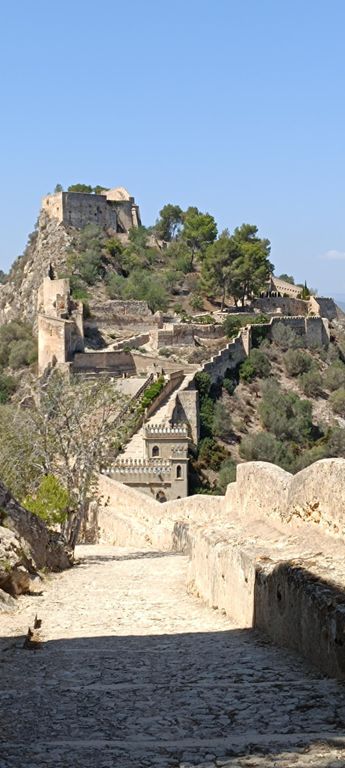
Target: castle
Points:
x,y
113,209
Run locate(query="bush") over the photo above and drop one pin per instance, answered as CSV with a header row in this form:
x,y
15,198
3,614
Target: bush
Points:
x,y
50,502
285,337
256,365
337,401
334,377
7,387
204,320
311,383
221,424
196,301
231,326
152,391
229,385
203,384
211,454
335,445
296,362
207,410
165,352
10,334
22,353
285,414
263,446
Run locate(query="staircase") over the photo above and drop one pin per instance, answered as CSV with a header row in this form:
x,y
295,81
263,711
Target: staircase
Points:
x,y
135,449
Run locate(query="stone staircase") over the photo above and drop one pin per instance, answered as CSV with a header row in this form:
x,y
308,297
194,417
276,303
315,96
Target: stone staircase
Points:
x,y
135,448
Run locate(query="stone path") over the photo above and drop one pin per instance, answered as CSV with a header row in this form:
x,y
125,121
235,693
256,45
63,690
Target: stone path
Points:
x,y
135,672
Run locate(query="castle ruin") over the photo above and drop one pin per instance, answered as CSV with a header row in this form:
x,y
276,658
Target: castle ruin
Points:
x,y
113,209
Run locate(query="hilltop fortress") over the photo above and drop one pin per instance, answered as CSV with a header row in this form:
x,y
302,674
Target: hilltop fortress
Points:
x,y
112,209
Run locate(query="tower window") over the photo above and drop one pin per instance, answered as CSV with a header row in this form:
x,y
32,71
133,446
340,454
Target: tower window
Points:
x,y
179,472
155,451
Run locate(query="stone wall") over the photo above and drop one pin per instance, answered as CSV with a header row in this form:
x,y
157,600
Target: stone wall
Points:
x,y
269,553
183,334
284,305
123,314
116,363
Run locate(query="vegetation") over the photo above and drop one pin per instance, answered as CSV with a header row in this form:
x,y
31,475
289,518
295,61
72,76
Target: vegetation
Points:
x,y
51,501
257,365
297,361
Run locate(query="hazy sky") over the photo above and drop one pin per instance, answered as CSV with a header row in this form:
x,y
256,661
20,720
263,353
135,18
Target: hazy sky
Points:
x,y
235,106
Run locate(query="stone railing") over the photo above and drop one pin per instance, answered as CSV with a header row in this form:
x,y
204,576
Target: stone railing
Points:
x,y
162,430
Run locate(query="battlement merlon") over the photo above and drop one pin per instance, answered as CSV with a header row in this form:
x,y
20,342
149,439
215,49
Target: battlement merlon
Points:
x,y
113,209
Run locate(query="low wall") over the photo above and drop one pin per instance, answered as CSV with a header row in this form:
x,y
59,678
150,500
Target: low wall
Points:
x,y
116,363
253,554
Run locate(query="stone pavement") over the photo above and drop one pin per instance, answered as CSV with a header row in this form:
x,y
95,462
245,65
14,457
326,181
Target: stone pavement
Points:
x,y
133,671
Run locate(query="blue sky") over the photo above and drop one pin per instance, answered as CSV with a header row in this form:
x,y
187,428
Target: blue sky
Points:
x,y
236,106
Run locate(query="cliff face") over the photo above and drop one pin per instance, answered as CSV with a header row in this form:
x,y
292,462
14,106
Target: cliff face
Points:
x,y
47,245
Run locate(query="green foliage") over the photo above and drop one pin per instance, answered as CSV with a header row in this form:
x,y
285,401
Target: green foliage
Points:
x,y
296,362
196,301
264,446
204,319
227,474
229,385
334,377
285,414
221,423
84,188
78,289
203,384
337,401
231,326
58,188
169,224
335,445
50,501
152,391
311,383
257,365
211,454
199,230
252,268
285,337
207,409
18,348
8,386
165,352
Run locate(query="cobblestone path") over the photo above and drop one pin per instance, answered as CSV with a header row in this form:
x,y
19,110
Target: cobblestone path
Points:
x,y
134,672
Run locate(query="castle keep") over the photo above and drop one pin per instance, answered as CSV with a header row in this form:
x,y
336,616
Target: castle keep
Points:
x,y
113,209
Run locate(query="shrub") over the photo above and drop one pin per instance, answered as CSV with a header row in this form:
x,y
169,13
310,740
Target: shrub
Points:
x,y
229,385
165,352
231,326
203,383
152,391
311,383
211,454
285,337
204,320
50,502
196,301
334,377
257,364
285,414
12,333
7,387
296,362
263,446
207,409
22,352
337,401
335,445
221,424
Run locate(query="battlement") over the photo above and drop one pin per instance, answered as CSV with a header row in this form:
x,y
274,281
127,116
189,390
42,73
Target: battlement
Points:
x,y
166,431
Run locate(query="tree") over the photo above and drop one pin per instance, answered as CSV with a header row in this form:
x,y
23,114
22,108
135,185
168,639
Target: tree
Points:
x,y
169,224
285,414
199,230
252,268
287,278
58,188
216,273
222,423
77,426
98,189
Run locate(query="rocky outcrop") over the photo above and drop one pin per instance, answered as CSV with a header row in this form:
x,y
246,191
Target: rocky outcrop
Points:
x,y
48,244
26,546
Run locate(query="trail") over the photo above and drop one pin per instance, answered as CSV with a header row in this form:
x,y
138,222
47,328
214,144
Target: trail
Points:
x,y
134,671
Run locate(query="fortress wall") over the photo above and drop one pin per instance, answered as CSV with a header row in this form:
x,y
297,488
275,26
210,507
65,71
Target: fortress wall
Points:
x,y
286,305
53,341
80,209
186,409
115,363
53,206
324,307
260,553
230,357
